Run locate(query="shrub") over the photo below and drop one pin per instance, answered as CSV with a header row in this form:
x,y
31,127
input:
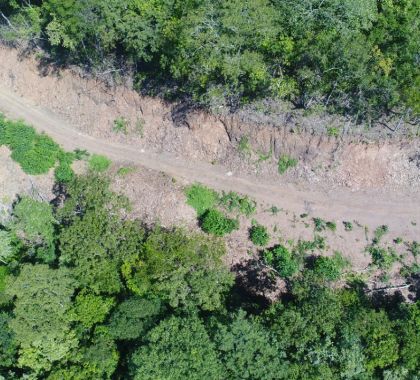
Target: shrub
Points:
x,y
348,226
381,257
282,260
379,233
259,235
216,223
319,224
63,173
286,162
234,202
329,268
99,163
331,226
201,198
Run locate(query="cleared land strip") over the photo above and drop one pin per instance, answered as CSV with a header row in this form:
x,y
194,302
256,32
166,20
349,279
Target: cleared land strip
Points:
x,y
368,208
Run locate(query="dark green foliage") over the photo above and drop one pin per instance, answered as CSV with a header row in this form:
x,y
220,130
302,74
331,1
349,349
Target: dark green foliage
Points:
x,y
216,223
356,58
259,235
348,226
282,260
201,198
133,317
177,349
117,300
8,345
382,257
248,350
286,162
329,268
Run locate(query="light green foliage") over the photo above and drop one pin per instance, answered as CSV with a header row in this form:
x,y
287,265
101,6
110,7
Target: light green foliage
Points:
x,y
90,309
98,163
216,223
133,317
329,268
120,125
286,162
6,249
34,222
201,198
282,260
35,153
177,349
183,270
41,325
233,202
96,240
244,146
379,233
259,235
124,171
248,350
380,342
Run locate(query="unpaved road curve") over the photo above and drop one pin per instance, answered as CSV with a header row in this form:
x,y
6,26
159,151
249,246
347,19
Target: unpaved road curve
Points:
x,y
371,209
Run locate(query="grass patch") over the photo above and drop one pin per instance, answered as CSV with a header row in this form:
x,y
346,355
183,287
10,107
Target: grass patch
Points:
x,y
244,146
125,170
285,163
201,198
120,125
99,163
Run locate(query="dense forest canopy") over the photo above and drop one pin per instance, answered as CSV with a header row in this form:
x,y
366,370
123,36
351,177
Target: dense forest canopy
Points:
x,y
357,57
86,293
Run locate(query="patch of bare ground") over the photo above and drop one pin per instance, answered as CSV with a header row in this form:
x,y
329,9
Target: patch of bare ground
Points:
x,y
354,159
156,198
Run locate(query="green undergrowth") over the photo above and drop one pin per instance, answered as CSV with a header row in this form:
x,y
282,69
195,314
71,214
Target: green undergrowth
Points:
x,y
37,153
211,208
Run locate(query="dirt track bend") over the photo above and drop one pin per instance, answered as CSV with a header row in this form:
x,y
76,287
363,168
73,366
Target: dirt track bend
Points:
x,y
370,209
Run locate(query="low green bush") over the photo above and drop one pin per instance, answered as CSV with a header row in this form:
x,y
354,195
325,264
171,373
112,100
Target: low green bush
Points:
x,y
216,223
234,202
282,260
259,235
201,198
329,268
99,163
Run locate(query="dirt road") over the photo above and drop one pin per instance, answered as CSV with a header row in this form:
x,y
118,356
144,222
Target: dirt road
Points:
x,y
371,209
